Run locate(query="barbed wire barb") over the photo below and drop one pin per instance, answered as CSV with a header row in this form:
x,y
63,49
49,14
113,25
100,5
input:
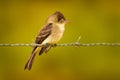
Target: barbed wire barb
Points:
x,y
77,42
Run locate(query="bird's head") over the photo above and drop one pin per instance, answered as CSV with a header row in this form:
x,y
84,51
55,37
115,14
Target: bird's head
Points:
x,y
57,17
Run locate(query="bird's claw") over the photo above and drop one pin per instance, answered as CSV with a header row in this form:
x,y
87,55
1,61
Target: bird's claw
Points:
x,y
54,45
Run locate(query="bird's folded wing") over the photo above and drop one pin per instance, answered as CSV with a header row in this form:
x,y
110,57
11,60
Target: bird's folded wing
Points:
x,y
44,33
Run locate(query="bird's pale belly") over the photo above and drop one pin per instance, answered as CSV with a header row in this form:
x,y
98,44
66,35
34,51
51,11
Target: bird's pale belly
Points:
x,y
55,36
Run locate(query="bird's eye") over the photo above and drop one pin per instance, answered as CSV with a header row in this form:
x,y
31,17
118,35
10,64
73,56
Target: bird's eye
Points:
x,y
61,21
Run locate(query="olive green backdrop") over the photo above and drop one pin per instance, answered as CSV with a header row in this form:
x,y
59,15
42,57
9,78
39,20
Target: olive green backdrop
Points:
x,y
94,20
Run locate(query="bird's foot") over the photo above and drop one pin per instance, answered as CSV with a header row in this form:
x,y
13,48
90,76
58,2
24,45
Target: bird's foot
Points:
x,y
54,45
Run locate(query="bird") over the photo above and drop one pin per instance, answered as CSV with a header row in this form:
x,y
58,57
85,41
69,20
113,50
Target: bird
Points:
x,y
50,33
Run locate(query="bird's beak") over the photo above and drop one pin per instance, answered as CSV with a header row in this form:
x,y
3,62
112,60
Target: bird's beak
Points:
x,y
67,21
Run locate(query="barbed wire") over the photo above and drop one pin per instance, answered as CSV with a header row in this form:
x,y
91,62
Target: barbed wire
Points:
x,y
77,44
66,44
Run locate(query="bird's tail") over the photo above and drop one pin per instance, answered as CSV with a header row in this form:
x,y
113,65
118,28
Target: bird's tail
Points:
x,y
29,63
33,54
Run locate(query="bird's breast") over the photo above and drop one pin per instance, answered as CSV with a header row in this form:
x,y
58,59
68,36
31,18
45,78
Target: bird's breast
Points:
x,y
56,34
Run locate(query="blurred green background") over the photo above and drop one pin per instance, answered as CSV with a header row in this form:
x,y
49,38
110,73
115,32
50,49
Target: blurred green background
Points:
x,y
94,20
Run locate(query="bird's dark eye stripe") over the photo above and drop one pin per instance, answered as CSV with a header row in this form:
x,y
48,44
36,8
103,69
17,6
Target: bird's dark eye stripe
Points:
x,y
59,18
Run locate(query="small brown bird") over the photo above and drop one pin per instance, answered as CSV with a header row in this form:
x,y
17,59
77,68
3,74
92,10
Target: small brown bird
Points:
x,y
51,33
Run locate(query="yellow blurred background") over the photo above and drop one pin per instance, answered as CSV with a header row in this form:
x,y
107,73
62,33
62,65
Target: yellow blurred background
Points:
x,y
94,20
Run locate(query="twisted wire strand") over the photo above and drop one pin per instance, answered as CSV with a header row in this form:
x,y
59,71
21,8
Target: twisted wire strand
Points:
x,y
66,44
77,44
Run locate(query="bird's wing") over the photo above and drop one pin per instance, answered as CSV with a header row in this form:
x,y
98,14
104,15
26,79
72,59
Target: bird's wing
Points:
x,y
44,33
